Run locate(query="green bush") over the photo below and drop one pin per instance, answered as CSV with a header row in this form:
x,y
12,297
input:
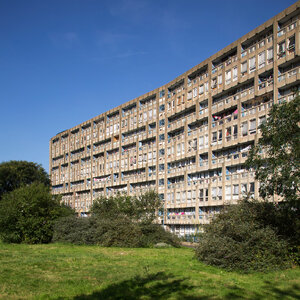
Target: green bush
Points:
x,y
245,237
27,214
155,233
71,229
118,232
120,221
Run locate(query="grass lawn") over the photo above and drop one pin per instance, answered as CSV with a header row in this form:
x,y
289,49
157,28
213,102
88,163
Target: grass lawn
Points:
x,y
58,271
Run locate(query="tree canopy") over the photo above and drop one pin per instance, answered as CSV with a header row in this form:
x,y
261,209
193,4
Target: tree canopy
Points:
x,y
276,157
14,174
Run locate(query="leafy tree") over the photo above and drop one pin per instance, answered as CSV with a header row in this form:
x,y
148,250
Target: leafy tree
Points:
x,y
246,236
27,214
276,157
14,174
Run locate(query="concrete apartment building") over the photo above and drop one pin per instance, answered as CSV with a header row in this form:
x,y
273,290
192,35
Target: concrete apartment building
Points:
x,y
187,140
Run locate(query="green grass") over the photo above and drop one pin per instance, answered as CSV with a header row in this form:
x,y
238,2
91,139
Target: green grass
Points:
x,y
58,271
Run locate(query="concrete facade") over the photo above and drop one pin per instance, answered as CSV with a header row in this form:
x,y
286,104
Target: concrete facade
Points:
x,y
187,140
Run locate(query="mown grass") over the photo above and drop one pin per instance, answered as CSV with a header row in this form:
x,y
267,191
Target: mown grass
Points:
x,y
57,271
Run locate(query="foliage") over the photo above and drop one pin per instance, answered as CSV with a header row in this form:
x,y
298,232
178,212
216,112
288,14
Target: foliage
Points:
x,y
118,232
27,214
64,271
141,209
245,237
71,229
276,157
14,174
155,233
120,221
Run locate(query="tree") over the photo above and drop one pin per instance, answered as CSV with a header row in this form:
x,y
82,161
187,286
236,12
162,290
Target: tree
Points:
x,y
27,214
14,174
276,157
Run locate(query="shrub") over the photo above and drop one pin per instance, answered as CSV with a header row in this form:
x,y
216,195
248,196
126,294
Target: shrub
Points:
x,y
155,233
27,214
118,232
120,221
72,229
241,237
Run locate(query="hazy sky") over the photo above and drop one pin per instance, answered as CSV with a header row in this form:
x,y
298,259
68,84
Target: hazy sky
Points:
x,y
63,62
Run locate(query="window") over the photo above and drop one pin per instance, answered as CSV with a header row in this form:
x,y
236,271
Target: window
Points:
x,y
228,77
244,67
252,127
252,64
261,43
162,122
261,59
161,107
183,197
281,49
228,192
161,93
244,128
244,188
161,137
270,39
291,44
220,135
261,120
206,87
195,92
201,195
270,55
214,136
252,49
189,95
220,78
189,196
214,193
214,83
235,130
201,142
234,73
220,193
201,89
235,189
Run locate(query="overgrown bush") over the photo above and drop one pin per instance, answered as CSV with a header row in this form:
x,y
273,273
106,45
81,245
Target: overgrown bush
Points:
x,y
72,229
246,237
27,214
155,233
120,221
